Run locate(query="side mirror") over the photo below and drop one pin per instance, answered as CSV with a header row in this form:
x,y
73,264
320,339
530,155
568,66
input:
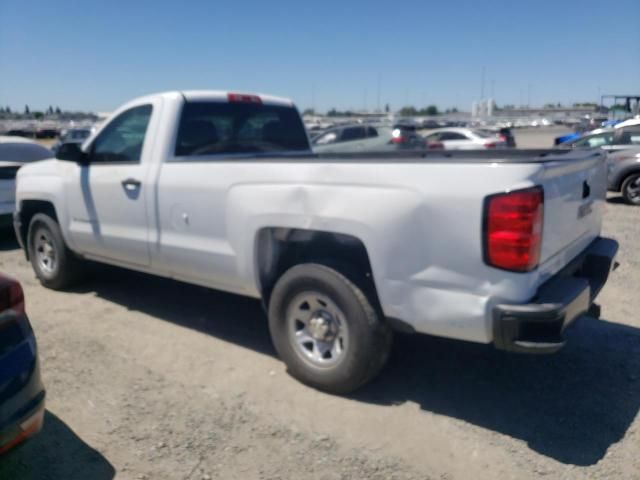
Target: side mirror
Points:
x,y
73,153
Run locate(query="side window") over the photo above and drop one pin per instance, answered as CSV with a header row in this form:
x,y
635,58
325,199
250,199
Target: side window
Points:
x,y
629,136
593,141
122,140
352,133
583,142
372,132
452,136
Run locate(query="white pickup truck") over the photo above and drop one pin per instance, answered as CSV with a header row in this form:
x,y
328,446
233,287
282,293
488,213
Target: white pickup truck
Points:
x,y
220,189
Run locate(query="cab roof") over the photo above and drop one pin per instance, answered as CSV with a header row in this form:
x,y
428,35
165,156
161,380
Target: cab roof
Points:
x,y
223,96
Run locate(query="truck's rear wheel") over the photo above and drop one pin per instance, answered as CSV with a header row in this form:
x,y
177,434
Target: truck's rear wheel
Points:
x,y
326,330
55,265
631,189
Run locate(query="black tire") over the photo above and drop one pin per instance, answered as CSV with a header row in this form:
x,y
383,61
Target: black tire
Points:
x,y
369,337
630,189
67,267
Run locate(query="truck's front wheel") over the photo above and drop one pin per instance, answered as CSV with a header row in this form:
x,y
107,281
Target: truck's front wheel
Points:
x,y
55,265
326,330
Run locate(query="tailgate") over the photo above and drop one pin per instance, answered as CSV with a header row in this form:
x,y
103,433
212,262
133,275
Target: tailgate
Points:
x,y
574,196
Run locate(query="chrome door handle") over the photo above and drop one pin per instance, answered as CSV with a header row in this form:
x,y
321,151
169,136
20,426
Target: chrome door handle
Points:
x,y
131,184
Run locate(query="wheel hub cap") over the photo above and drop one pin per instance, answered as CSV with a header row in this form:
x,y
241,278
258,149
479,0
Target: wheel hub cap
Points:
x,y
317,329
45,252
322,326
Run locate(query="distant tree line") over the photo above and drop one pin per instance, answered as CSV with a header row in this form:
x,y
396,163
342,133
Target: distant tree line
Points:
x,y
408,111
51,112
431,110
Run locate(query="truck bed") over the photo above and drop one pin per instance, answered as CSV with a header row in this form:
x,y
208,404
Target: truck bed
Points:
x,y
414,156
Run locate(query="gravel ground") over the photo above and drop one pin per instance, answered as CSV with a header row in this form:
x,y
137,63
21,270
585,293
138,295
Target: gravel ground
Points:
x,y
540,137
149,378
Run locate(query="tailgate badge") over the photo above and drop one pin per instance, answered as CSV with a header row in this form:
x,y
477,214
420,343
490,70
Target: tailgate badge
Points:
x,y
586,189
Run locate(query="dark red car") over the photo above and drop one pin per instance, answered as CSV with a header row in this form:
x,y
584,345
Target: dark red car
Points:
x,y
21,390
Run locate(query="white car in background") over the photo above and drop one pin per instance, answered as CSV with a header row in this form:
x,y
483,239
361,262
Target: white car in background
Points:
x,y
465,138
14,152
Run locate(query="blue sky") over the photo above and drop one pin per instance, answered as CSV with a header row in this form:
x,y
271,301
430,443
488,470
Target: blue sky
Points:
x,y
96,55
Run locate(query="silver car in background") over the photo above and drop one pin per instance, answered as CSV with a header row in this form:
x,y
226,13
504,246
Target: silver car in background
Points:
x,y
368,138
610,139
624,174
465,138
15,152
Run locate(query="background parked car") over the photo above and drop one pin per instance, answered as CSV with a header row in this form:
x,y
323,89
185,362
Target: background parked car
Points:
x,y
624,174
465,138
14,152
620,137
72,135
507,137
602,137
362,138
21,390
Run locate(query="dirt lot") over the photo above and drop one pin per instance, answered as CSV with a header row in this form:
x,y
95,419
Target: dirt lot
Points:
x,y
541,137
153,379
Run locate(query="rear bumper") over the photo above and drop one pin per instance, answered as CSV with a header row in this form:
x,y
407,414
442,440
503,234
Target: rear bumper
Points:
x,y
537,327
25,427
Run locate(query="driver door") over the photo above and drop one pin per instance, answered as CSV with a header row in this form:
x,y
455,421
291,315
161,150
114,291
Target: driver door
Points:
x,y
106,198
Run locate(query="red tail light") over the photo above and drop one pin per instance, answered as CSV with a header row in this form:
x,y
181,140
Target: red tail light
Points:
x,y
242,98
513,229
435,145
489,145
397,139
11,295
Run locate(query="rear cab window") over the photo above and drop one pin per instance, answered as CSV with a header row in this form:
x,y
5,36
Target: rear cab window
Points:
x,y
214,128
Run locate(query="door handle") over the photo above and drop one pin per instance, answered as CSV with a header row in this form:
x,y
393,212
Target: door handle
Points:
x,y
131,183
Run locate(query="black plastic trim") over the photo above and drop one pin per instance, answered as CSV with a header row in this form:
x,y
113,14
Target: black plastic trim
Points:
x,y
537,327
400,325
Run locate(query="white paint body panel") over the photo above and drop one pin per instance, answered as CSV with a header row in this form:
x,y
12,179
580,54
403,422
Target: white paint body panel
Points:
x,y
420,222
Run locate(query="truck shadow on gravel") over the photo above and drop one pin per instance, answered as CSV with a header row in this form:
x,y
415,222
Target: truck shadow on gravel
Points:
x,y
618,201
55,453
8,239
571,406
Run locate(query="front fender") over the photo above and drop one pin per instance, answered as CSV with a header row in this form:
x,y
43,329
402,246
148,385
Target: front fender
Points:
x,y
43,181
